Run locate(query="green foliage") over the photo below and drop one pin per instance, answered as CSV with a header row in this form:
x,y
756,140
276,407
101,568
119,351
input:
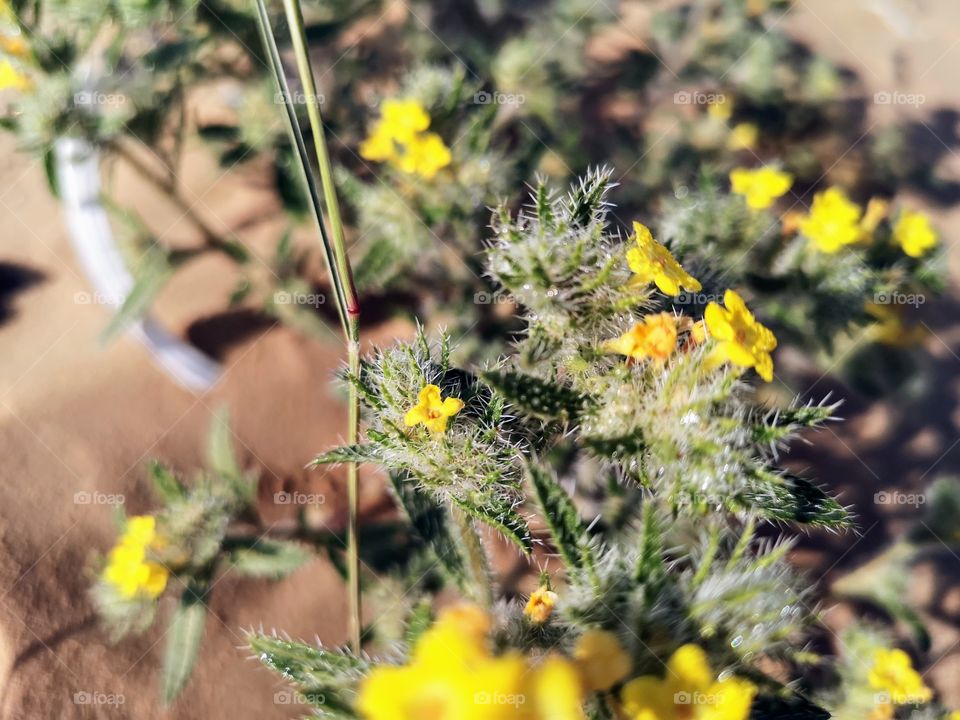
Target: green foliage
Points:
x,y
183,641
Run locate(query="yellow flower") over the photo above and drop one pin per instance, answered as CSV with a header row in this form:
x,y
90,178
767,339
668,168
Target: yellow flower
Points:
x,y
833,221
742,339
955,715
14,45
914,233
425,155
601,659
540,605
721,108
11,78
743,136
127,566
652,262
688,692
890,328
400,138
654,337
431,411
452,676
892,673
760,187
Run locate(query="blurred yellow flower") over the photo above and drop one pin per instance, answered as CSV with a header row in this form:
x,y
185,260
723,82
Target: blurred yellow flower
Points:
x,y
741,339
11,78
721,108
452,676
601,659
431,411
893,675
400,138
914,233
127,566
743,136
654,337
833,221
540,606
760,187
690,691
651,262
890,328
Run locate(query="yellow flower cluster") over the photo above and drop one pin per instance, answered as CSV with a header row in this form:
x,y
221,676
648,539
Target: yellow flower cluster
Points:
x,y
897,683
128,568
12,45
835,221
741,338
400,138
689,691
760,187
452,675
431,411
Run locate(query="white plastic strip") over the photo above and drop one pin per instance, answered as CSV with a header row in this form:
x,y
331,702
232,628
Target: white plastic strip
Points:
x,y
78,175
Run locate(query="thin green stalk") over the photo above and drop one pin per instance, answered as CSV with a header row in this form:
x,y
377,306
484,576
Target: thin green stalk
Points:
x,y
337,261
476,556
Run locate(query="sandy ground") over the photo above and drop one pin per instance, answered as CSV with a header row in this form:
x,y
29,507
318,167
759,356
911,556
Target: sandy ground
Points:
x,y
75,416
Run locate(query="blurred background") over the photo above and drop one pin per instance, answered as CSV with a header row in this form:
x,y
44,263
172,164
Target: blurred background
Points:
x,y
80,417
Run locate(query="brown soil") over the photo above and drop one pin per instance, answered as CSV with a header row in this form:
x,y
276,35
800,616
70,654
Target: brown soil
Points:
x,y
76,416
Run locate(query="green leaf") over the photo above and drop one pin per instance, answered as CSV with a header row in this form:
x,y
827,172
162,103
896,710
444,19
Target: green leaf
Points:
x,y
168,487
650,559
269,558
562,518
789,498
360,453
183,641
616,447
152,274
502,515
537,397
305,664
420,619
50,169
430,522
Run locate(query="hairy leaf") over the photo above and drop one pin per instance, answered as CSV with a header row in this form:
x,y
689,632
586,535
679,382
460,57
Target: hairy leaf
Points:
x,y
183,641
537,397
561,517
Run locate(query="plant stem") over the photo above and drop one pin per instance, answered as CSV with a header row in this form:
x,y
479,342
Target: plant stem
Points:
x,y
340,271
476,557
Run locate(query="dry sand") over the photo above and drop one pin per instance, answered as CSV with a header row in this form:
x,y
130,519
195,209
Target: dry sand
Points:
x,y
75,416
